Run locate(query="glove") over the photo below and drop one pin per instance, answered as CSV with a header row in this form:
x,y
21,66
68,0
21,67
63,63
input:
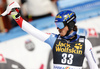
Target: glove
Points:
x,y
11,8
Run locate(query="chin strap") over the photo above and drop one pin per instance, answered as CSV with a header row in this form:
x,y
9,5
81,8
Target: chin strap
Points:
x,y
70,35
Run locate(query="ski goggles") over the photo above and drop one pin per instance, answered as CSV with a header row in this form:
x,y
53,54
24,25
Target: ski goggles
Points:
x,y
60,25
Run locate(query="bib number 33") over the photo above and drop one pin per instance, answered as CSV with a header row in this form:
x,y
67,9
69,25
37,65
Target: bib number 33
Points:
x,y
67,58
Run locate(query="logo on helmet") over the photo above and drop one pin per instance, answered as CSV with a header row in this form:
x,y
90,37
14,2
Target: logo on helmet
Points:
x,y
58,16
67,16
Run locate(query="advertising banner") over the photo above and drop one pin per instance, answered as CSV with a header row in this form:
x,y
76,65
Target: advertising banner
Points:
x,y
24,52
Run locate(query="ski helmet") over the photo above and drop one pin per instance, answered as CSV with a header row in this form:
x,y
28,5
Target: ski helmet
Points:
x,y
64,18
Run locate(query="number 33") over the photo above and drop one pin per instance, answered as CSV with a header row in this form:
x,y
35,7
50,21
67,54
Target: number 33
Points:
x,y
64,59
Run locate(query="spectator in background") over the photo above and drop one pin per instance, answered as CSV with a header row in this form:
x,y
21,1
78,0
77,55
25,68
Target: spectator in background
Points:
x,y
35,9
40,8
5,24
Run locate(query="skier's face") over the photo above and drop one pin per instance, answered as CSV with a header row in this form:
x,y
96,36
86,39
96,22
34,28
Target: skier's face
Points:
x,y
63,31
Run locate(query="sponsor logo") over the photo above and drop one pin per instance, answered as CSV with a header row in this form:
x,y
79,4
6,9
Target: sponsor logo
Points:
x,y
29,45
58,16
65,47
92,32
61,67
67,16
67,68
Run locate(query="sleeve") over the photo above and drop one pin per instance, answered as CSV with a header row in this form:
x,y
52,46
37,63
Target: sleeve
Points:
x,y
31,29
51,40
89,55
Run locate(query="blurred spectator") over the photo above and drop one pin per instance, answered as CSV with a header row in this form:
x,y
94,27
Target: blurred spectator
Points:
x,y
40,8
5,23
35,9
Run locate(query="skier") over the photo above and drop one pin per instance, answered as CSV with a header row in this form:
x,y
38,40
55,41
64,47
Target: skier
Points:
x,y
69,48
